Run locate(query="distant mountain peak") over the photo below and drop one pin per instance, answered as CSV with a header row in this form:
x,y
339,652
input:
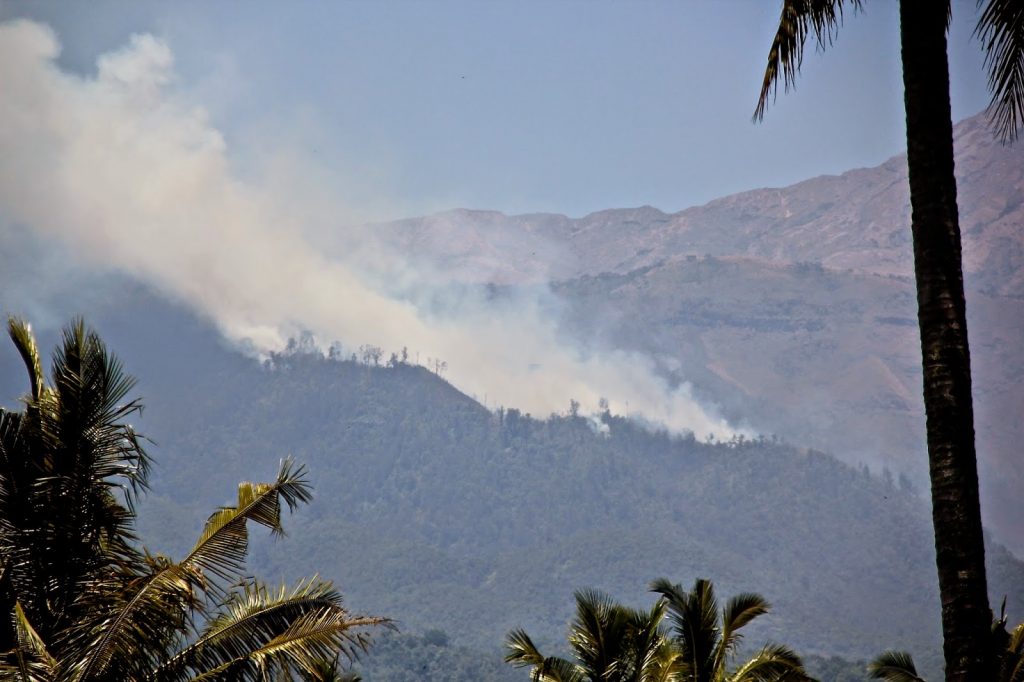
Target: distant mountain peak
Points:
x,y
858,220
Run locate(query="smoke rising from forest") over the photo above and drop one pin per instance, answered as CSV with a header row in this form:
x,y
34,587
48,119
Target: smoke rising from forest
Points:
x,y
128,173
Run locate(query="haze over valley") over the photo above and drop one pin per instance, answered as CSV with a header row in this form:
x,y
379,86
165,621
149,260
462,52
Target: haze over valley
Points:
x,y
498,408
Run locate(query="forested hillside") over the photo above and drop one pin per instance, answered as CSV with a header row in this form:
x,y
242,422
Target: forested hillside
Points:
x,y
445,515
792,307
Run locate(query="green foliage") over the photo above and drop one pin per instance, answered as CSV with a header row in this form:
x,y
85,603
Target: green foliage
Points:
x,y
407,657
614,643
434,510
609,642
486,518
894,666
707,645
84,602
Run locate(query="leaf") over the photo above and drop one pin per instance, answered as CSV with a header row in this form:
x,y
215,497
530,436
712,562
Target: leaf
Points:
x,y
1001,31
799,18
773,663
20,332
894,666
29,642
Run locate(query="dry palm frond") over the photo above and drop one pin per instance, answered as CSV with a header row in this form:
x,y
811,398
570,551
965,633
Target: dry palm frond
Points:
x,y
798,20
894,666
1001,32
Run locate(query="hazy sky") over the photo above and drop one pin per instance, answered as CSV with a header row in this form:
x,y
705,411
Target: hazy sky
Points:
x,y
572,107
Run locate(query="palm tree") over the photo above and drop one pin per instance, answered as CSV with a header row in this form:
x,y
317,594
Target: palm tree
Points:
x,y
84,602
959,543
706,647
70,471
610,643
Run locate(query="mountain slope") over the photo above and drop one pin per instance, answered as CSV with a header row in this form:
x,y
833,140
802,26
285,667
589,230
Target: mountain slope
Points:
x,y
442,514
792,308
858,220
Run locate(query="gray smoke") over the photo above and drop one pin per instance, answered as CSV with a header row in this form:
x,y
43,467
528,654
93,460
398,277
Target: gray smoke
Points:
x,y
127,173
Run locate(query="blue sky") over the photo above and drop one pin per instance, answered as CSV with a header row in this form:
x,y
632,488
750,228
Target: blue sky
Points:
x,y
562,106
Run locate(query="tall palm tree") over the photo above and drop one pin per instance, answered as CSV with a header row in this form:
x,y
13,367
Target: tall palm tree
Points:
x,y
70,471
959,544
610,643
84,602
707,645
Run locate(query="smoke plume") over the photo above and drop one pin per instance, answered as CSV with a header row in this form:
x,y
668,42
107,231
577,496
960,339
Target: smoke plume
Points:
x,y
129,175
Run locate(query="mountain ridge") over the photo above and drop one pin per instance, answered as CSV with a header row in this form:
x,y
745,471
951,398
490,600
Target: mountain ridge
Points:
x,y
857,220
849,232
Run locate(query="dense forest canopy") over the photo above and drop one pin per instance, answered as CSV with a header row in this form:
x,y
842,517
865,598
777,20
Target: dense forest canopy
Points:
x,y
468,510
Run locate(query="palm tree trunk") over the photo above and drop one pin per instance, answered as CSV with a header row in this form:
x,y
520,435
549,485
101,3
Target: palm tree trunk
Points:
x,y
959,544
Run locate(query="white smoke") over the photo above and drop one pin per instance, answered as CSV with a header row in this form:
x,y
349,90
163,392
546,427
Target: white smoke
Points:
x,y
132,177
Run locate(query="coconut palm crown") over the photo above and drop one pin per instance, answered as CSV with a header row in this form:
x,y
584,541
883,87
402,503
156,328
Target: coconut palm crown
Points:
x,y
84,602
610,643
680,639
707,644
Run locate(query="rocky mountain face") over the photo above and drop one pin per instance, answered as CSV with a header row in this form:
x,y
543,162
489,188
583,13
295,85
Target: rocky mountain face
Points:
x,y
791,308
855,221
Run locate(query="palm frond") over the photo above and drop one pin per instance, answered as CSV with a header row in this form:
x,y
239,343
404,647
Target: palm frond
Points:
x,y
133,624
310,638
1009,647
739,612
92,386
773,663
798,20
35,663
1001,31
257,616
19,517
894,666
656,658
69,472
598,632
317,635
1013,662
694,617
20,332
663,664
86,603
222,546
555,669
520,650
219,553
1016,643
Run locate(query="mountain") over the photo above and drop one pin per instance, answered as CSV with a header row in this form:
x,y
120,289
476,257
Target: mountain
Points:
x,y
443,514
855,221
793,308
